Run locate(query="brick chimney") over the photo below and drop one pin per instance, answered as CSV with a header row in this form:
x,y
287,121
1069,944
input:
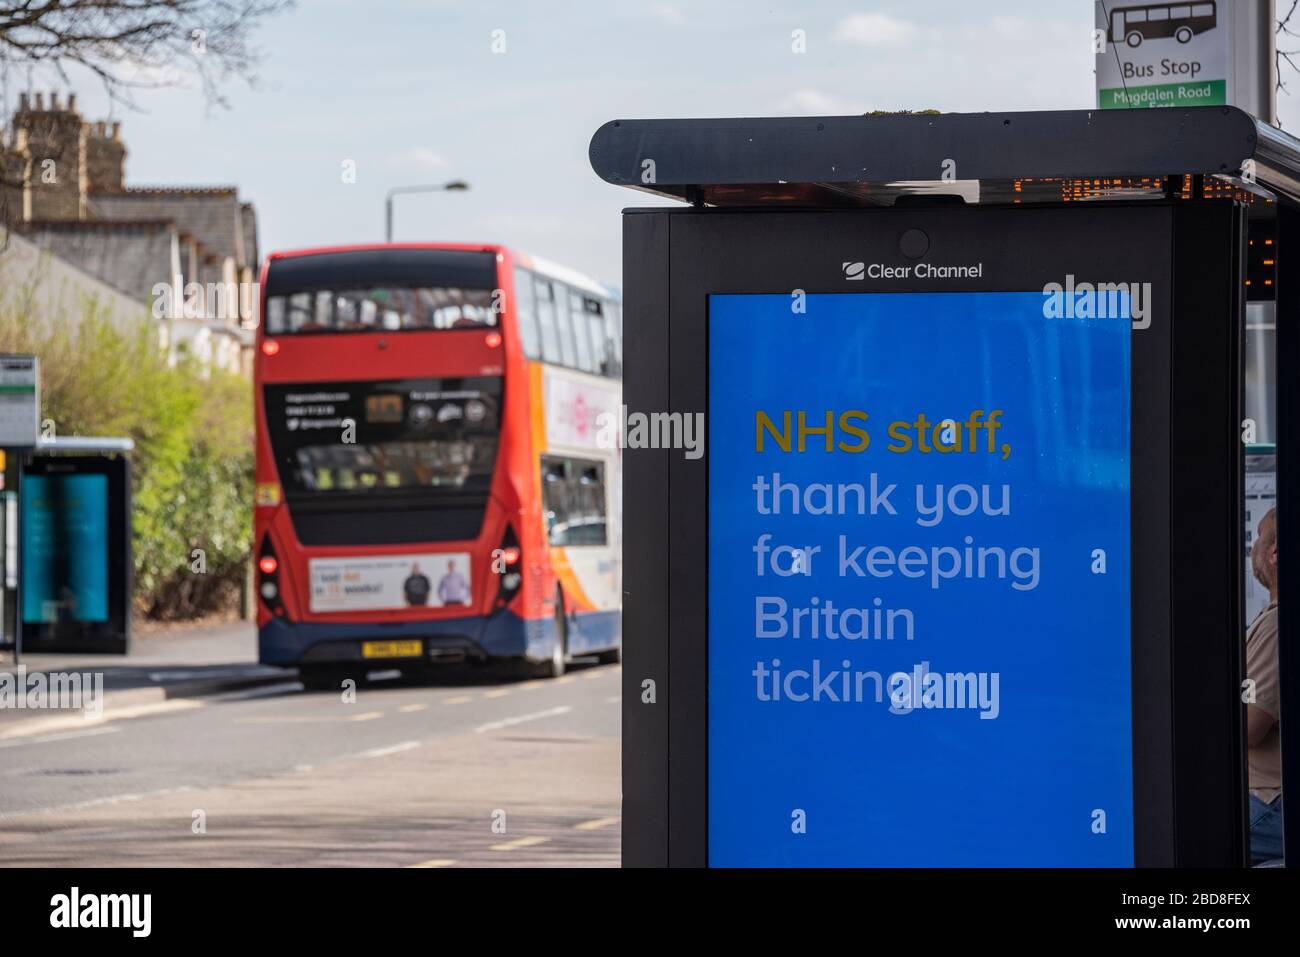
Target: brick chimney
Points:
x,y
15,169
55,141
105,158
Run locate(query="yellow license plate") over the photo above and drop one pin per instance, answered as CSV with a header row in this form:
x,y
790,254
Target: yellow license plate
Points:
x,y
391,649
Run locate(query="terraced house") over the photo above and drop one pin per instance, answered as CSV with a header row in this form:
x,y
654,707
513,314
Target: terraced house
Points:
x,y
74,225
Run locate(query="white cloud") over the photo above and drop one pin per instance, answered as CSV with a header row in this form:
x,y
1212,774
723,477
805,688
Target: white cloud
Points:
x,y
1012,27
668,13
417,158
873,29
816,103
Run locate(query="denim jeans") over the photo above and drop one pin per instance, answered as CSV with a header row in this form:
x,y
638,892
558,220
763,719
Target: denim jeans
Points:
x,y
1265,830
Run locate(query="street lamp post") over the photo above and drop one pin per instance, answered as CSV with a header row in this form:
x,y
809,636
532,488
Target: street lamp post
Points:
x,y
455,186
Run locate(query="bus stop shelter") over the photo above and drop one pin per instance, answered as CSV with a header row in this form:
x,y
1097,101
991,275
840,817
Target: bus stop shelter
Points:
x,y
67,527
961,577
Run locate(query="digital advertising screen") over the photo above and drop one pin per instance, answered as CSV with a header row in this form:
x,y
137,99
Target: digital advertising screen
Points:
x,y
65,548
919,645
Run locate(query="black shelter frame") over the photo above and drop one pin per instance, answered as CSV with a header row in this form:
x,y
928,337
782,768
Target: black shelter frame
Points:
x,y
772,199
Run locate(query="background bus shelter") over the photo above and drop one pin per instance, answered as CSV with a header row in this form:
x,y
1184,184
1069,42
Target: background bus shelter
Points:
x,y
68,547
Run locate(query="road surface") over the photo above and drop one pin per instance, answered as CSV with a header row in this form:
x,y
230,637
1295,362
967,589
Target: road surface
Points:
x,y
467,772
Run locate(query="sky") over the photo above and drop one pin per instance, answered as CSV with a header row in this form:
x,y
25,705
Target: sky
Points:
x,y
412,92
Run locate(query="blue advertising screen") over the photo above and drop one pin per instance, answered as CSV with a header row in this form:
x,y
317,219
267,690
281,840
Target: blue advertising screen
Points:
x,y
919,588
65,548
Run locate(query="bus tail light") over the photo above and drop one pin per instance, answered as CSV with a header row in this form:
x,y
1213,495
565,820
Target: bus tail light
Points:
x,y
493,339
507,562
270,347
268,580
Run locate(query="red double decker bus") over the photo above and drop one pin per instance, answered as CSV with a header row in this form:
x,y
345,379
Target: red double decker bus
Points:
x,y
432,479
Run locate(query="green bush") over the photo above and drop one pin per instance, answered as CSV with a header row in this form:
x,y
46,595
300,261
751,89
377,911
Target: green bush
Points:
x,y
192,468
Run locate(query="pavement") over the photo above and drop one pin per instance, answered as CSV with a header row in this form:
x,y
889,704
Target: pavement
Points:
x,y
466,769
178,662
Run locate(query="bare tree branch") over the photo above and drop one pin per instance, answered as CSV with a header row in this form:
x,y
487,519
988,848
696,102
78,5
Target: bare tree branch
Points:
x,y
1284,56
128,45
132,44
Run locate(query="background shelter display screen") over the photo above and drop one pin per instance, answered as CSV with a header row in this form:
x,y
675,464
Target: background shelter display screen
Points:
x,y
65,548
919,637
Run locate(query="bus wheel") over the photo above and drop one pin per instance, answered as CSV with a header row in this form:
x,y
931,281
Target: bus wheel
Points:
x,y
1134,39
553,667
1183,35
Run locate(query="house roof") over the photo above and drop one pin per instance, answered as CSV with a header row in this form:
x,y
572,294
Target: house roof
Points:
x,y
213,216
132,256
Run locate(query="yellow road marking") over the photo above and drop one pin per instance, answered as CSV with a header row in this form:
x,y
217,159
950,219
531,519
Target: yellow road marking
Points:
x,y
593,675
596,824
408,708
520,842
367,716
436,862
459,699
498,693
564,681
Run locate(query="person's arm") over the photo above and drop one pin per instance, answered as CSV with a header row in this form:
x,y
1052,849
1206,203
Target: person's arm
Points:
x,y
1258,724
1261,668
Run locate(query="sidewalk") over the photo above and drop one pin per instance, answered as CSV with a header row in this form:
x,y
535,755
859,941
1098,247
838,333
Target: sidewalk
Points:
x,y
171,663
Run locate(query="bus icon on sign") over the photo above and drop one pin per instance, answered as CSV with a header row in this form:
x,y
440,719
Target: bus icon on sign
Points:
x,y
1153,21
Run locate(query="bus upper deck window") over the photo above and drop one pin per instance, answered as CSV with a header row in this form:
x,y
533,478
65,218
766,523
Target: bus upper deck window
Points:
x,y
546,320
526,313
614,336
581,341
348,315
299,311
324,315
564,326
604,360
275,315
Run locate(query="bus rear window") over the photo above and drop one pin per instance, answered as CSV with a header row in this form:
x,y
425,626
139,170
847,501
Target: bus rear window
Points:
x,y
381,309
354,442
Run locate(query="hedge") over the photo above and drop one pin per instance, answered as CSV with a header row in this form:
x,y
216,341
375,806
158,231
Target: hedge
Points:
x,y
192,468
